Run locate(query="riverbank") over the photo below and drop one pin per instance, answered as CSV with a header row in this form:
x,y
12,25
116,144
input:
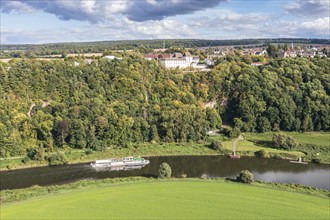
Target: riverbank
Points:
x,y
200,198
74,156
318,141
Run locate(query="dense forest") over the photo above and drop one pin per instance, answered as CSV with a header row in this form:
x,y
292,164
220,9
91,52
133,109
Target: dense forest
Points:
x,y
32,50
115,103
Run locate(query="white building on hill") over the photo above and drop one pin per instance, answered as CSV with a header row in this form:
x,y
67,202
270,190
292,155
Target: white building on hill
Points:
x,y
179,61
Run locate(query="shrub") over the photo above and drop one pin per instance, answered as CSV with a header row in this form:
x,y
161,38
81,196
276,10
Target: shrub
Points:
x,y
3,153
245,176
57,158
26,159
88,152
277,156
283,141
234,133
164,171
36,154
31,153
204,176
216,145
261,153
316,160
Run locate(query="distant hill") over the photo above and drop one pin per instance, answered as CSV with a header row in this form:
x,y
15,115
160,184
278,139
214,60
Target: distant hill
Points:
x,y
100,46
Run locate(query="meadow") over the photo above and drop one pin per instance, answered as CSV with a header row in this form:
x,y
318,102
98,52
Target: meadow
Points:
x,y
316,138
164,199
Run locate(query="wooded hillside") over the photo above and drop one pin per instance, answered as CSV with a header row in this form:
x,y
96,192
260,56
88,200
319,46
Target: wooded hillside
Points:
x,y
120,102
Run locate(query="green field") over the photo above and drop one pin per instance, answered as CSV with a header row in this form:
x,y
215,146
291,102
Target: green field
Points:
x,y
315,138
176,199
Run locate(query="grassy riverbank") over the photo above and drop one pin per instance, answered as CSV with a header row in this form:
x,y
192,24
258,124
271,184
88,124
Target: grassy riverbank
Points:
x,y
144,198
145,149
313,145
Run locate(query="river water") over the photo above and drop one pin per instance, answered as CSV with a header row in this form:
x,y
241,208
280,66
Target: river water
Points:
x,y
271,170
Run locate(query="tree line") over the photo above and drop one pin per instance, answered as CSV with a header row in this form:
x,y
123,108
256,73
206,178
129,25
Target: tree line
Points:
x,y
32,50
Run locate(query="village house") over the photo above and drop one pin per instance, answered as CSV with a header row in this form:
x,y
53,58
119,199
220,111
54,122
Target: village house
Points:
x,y
111,57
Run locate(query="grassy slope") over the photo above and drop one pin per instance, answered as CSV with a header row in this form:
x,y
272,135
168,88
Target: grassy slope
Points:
x,y
172,199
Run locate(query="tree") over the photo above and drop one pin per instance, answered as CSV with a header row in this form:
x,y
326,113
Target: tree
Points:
x,y
213,118
263,124
57,158
272,50
261,153
164,171
154,133
245,176
234,133
283,141
61,131
216,145
64,54
238,123
285,47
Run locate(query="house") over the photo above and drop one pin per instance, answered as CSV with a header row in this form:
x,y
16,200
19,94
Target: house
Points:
x,y
178,60
111,57
177,55
88,61
165,55
173,63
151,56
257,64
260,53
209,62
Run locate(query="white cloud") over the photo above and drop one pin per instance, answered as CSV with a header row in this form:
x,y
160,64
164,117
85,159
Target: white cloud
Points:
x,y
119,29
309,8
111,23
320,26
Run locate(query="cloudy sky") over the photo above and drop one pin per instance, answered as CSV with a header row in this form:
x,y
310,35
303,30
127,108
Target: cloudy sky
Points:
x,y
45,21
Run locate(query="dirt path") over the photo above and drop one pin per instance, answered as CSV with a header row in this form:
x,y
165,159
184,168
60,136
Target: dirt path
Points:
x,y
240,137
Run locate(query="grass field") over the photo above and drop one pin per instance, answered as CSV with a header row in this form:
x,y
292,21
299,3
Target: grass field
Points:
x,y
315,138
244,146
184,199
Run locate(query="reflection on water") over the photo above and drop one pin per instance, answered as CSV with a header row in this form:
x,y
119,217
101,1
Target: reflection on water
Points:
x,y
118,168
281,171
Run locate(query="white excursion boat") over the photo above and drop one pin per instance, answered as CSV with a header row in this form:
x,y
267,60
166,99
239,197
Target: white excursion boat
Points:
x,y
121,162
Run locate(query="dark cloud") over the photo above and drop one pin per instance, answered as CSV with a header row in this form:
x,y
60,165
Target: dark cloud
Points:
x,y
101,10
144,10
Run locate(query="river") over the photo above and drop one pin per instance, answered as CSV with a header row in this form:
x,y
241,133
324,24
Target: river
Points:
x,y
271,170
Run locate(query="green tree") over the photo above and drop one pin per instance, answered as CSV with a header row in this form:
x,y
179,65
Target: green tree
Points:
x,y
283,141
164,171
245,176
272,50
